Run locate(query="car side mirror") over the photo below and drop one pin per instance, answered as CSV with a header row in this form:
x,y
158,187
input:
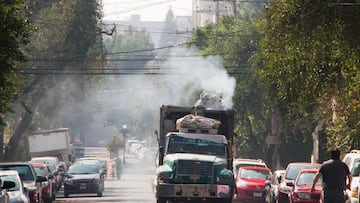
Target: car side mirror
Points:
x,y
279,179
41,179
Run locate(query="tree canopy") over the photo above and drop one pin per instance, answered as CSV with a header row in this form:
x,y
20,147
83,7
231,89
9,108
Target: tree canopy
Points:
x,y
14,33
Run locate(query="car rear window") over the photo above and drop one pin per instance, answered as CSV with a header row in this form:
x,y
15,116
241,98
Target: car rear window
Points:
x,y
83,169
11,178
24,171
294,170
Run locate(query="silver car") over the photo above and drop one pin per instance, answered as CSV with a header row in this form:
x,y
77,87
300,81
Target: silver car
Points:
x,y
16,193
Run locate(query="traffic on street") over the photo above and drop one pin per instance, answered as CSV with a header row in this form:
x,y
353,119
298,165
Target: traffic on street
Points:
x,y
134,186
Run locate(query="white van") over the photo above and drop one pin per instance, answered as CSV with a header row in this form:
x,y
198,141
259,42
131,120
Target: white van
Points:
x,y
352,160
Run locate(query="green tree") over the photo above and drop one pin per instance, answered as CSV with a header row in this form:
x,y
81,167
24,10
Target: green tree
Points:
x,y
114,145
310,65
130,50
236,40
73,43
14,33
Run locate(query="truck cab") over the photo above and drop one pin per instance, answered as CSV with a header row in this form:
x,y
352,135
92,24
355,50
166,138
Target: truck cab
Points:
x,y
195,163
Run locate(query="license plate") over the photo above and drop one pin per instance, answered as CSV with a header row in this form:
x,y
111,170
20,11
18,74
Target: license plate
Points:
x,y
82,187
257,194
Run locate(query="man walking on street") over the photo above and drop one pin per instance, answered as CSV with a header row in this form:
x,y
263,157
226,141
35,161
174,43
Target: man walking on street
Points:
x,y
334,173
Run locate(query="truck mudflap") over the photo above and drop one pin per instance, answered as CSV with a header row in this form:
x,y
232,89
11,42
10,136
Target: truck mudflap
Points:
x,y
207,191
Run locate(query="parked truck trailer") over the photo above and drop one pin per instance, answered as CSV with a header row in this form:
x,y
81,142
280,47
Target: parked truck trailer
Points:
x,y
53,142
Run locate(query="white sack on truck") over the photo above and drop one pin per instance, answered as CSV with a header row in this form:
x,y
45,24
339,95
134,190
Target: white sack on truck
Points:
x,y
197,122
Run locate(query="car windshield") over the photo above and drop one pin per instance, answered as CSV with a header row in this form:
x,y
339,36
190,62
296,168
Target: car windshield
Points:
x,y
39,172
24,171
356,169
294,170
11,178
50,162
254,174
306,178
83,168
179,144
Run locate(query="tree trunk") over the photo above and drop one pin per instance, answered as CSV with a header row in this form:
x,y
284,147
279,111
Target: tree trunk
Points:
x,y
2,128
34,99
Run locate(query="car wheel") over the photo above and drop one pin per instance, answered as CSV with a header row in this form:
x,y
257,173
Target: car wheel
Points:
x,y
161,200
66,193
100,194
48,200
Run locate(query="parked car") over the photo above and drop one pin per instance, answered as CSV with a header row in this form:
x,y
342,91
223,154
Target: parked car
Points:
x,y
250,184
53,163
302,185
271,188
291,172
101,162
32,183
352,160
239,162
15,192
84,177
48,187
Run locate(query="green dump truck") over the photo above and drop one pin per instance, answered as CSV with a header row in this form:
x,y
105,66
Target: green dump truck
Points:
x,y
195,155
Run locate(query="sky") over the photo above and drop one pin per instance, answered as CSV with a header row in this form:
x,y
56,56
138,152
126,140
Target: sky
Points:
x,y
150,10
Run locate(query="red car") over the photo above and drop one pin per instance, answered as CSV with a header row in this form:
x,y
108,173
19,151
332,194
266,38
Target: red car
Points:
x,y
301,188
291,172
250,184
48,192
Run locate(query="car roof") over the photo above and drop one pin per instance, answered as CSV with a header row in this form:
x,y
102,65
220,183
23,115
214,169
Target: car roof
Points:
x,y
280,171
45,157
40,165
15,163
309,170
255,167
248,160
291,166
252,162
8,172
85,162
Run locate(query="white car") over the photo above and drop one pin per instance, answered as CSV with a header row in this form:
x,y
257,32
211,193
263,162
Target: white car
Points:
x,y
238,162
352,160
15,190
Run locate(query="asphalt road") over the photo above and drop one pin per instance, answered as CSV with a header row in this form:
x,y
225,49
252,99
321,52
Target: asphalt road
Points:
x,y
134,186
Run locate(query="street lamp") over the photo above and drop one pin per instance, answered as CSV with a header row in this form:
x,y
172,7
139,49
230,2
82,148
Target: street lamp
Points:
x,y
124,132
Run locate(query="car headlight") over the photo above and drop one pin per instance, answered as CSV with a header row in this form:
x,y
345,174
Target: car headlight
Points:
x,y
165,176
69,181
96,180
241,184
